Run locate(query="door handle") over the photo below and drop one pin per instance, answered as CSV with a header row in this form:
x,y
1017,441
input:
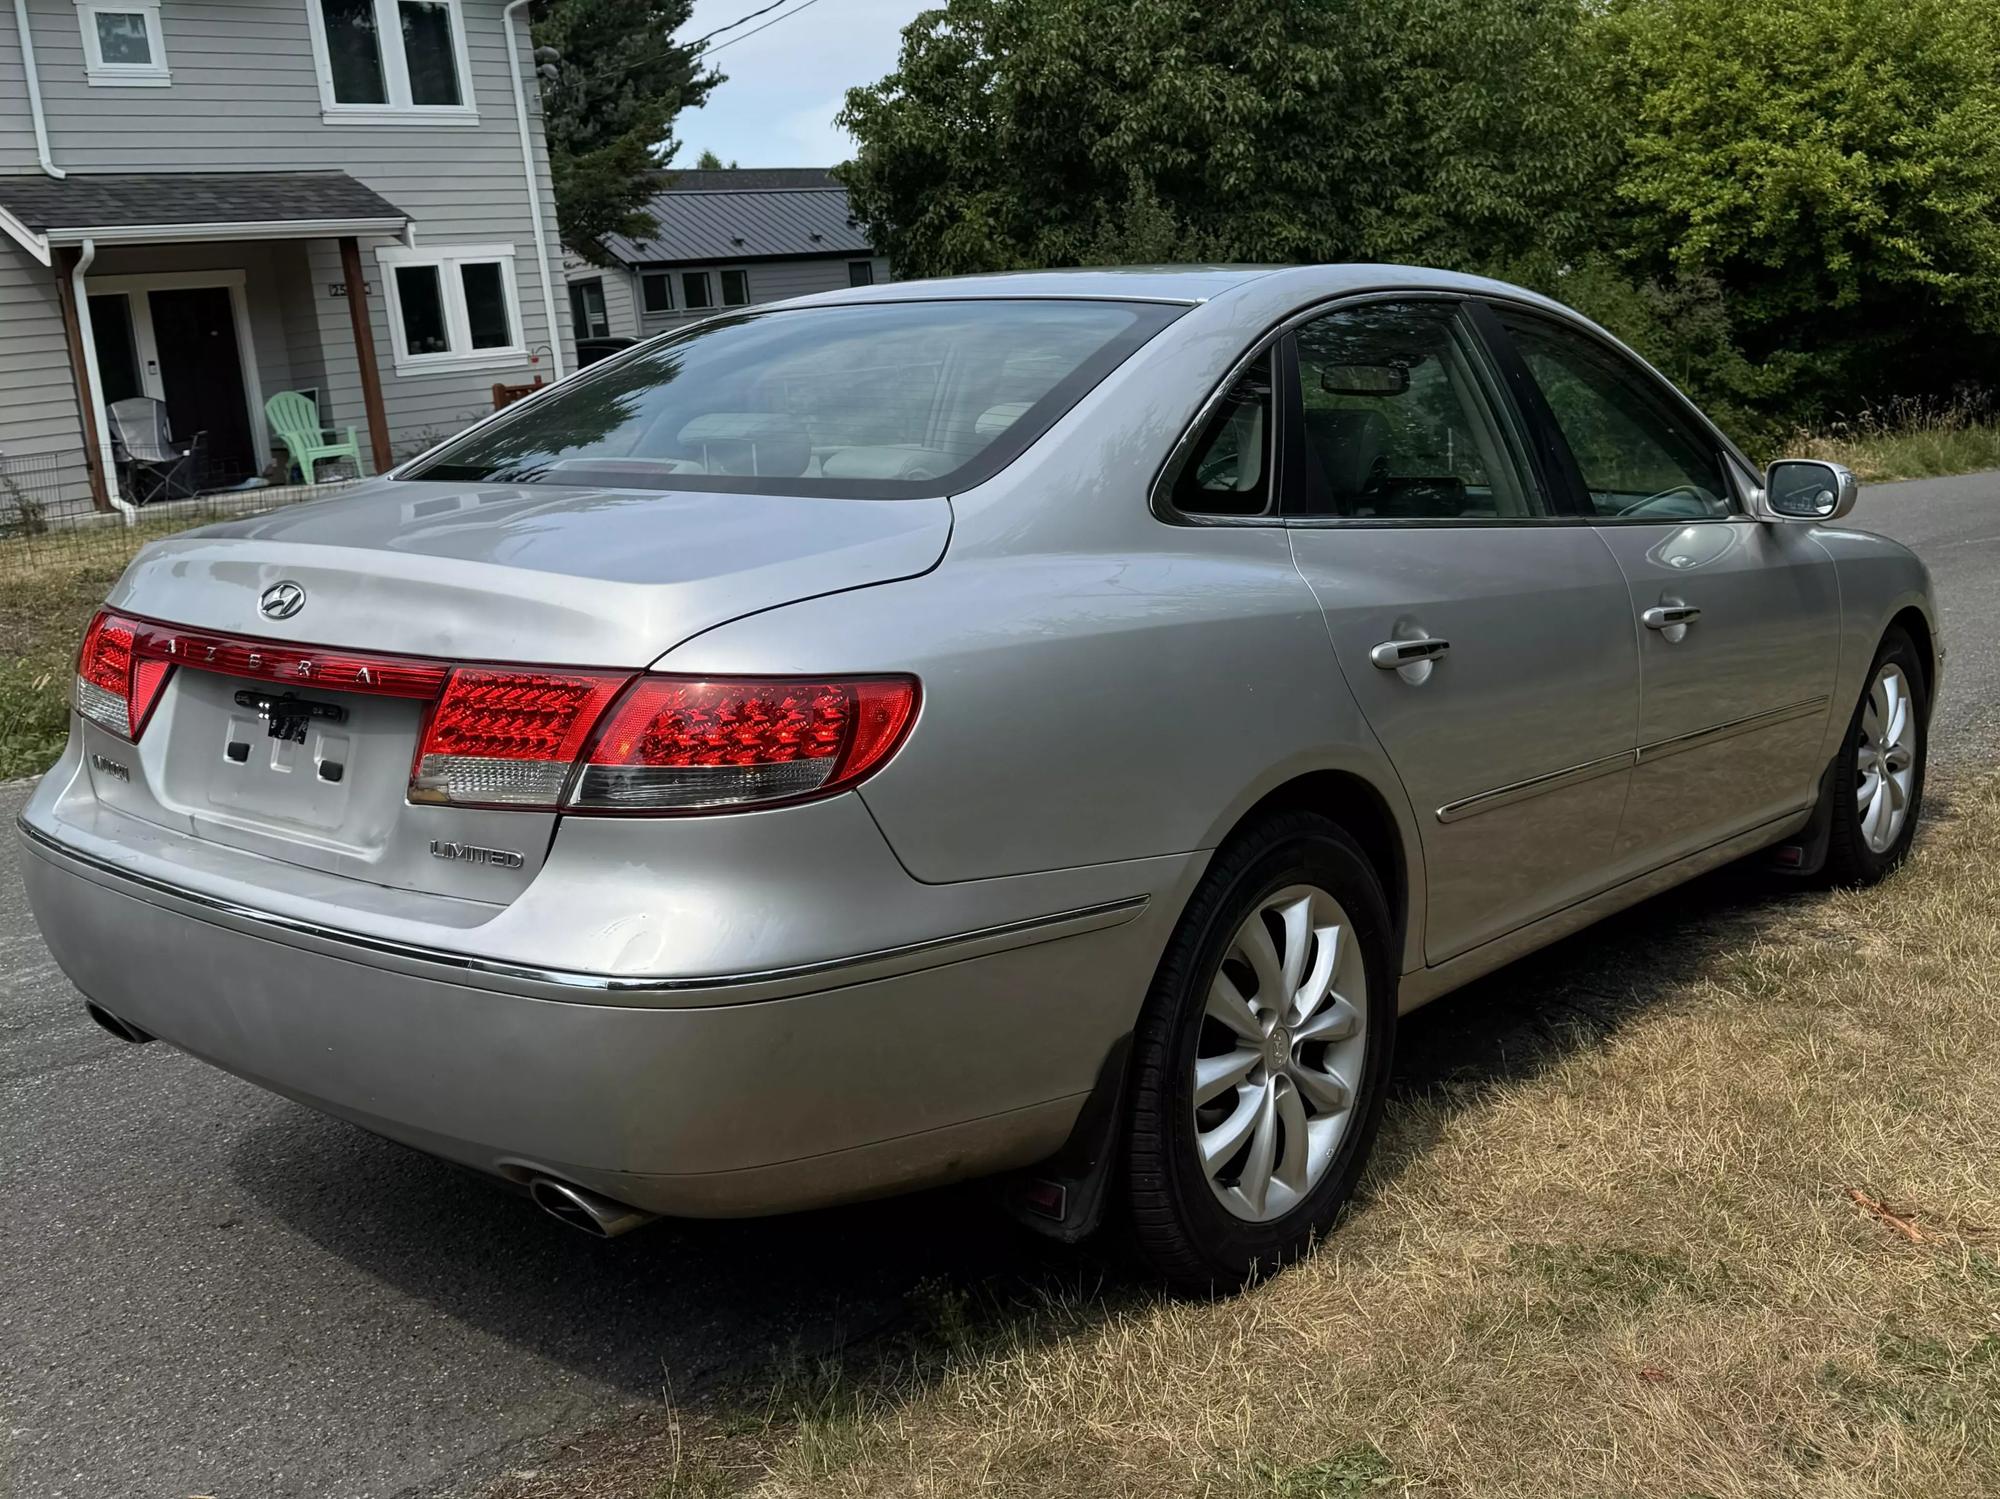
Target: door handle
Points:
x,y
1394,655
1666,616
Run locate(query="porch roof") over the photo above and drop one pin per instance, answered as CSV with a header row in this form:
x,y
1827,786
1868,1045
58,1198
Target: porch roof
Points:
x,y
41,212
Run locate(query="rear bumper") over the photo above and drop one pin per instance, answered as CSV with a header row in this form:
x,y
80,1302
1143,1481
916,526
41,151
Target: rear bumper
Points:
x,y
859,1077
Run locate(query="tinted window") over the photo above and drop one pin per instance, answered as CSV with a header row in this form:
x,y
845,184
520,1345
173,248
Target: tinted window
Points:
x,y
1639,458
1228,469
883,399
1394,423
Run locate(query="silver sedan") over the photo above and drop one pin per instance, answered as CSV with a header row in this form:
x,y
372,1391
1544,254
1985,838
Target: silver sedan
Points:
x,y
1041,725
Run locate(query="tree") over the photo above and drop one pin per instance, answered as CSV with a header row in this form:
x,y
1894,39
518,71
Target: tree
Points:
x,y
1834,167
620,81
1053,132
708,161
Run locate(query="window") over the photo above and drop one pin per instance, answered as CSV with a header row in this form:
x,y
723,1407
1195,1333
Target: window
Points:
x,y
656,291
1638,457
694,290
122,43
860,273
586,309
1228,470
391,61
452,308
1393,422
877,400
735,288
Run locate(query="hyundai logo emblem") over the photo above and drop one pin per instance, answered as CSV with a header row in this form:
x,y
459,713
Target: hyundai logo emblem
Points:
x,y
282,600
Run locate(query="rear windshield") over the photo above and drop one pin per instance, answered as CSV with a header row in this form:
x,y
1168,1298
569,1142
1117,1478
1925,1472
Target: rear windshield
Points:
x,y
882,400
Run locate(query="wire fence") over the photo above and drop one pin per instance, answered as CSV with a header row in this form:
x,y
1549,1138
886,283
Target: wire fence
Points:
x,y
50,526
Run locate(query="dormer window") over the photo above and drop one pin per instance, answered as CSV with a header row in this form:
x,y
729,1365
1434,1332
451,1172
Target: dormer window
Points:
x,y
399,62
122,43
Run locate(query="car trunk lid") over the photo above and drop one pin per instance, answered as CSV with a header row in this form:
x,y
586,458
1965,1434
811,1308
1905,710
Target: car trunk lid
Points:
x,y
279,757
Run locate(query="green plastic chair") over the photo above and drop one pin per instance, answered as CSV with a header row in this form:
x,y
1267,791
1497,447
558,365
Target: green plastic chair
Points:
x,y
294,421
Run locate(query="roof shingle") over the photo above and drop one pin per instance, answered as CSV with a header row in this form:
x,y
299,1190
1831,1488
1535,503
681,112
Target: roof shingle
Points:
x,y
116,200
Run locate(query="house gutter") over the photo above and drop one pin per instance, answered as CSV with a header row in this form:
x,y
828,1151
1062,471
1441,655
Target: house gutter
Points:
x,y
80,299
534,185
35,93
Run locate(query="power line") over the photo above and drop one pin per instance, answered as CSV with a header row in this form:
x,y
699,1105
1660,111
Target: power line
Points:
x,y
734,24
808,5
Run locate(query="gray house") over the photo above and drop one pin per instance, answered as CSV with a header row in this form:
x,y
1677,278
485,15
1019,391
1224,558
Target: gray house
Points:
x,y
209,202
724,238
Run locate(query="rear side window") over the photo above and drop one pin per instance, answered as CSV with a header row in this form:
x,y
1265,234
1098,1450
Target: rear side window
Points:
x,y
1639,458
878,400
1228,469
1394,422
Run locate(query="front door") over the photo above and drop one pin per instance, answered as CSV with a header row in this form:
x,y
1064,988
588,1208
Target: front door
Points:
x,y
201,377
1738,621
1487,638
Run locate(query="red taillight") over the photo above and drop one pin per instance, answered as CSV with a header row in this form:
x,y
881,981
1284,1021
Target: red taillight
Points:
x,y
116,684
508,738
679,744
517,736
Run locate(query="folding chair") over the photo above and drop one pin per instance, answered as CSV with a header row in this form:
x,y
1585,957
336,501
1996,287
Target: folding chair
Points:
x,y
152,466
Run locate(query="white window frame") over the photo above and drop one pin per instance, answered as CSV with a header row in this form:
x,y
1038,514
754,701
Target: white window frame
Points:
x,y
673,303
722,303
102,74
461,355
395,73
583,284
707,274
853,266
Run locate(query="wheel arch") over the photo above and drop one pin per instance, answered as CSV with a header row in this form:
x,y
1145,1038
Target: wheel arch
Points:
x,y
1361,808
1913,622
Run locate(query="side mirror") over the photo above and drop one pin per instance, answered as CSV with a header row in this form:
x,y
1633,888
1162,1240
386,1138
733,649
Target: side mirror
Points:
x,y
1808,489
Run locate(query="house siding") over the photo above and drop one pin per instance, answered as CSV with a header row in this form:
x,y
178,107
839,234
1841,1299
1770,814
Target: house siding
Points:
x,y
245,96
769,281
38,411
621,306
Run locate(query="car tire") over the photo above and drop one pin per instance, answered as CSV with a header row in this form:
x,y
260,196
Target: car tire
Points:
x,y
1879,773
1206,1220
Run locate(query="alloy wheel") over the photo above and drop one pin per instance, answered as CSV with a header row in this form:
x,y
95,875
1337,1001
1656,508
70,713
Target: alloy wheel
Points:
x,y
1885,758
1280,1053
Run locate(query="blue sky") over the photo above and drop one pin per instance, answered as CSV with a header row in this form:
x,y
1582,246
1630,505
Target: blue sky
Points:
x,y
786,83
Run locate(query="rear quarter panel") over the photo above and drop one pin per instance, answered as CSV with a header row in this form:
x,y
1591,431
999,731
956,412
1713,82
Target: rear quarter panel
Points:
x,y
1098,685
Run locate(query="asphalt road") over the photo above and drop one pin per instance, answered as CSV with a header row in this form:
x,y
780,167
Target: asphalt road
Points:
x,y
207,1290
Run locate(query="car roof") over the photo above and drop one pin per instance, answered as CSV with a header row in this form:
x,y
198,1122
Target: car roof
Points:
x,y
1186,284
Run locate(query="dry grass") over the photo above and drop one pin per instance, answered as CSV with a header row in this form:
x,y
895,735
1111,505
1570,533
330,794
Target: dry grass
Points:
x,y
1909,440
1704,1204
49,587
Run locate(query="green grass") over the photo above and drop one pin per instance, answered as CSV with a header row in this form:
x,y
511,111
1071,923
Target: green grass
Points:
x,y
1908,440
49,587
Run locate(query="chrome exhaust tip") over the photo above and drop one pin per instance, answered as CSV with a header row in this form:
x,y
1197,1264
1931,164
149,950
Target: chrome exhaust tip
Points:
x,y
122,1029
583,1209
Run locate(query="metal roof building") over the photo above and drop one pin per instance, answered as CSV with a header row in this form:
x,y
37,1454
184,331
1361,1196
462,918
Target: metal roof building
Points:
x,y
721,238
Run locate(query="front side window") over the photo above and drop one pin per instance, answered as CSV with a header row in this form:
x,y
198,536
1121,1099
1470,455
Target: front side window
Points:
x,y
877,401
656,291
452,308
391,57
586,309
1394,424
1227,469
1638,458
122,43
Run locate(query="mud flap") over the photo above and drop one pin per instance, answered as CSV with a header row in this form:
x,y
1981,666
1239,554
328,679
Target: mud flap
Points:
x,y
1804,853
1065,1196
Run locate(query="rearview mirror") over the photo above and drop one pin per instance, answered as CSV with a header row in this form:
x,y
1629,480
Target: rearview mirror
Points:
x,y
1364,379
1809,489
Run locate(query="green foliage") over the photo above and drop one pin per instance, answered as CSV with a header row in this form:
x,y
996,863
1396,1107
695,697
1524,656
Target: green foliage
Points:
x,y
1832,166
620,80
1792,207
1056,132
